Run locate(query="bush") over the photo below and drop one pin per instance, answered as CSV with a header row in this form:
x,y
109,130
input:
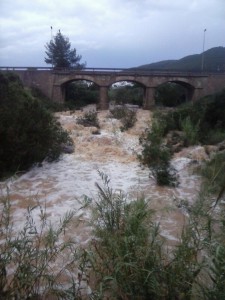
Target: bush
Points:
x,y
46,102
126,253
213,173
190,130
80,93
156,156
125,115
206,115
129,258
129,93
29,259
215,136
170,94
29,133
89,119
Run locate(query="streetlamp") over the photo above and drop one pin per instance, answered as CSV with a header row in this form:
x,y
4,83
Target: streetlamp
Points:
x,y
51,41
203,49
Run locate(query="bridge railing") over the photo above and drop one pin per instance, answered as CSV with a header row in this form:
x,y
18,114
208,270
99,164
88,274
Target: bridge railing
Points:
x,y
116,71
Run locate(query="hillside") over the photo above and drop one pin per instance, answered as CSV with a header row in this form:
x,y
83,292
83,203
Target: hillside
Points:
x,y
214,60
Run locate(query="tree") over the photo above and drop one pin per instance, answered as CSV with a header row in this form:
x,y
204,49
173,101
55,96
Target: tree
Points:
x,y
60,55
29,133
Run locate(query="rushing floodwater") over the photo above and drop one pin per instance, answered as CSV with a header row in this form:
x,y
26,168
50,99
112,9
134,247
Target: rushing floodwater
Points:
x,y
62,185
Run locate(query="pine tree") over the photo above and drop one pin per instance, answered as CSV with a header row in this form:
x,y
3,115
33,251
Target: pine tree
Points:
x,y
60,55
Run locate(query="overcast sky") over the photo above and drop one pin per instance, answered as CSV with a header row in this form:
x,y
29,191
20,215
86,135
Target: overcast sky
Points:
x,y
110,33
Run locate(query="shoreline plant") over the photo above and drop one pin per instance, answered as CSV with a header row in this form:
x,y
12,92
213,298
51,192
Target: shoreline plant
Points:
x,y
37,262
127,116
156,155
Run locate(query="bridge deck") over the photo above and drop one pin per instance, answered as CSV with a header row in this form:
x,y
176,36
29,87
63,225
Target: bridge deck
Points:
x,y
115,71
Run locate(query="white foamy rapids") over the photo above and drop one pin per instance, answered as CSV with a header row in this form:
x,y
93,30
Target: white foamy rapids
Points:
x,y
62,185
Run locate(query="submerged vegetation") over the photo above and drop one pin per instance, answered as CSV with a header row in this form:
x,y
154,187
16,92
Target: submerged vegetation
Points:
x,y
156,155
127,116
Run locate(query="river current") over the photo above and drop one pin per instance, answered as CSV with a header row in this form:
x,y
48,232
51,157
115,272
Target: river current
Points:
x,y
62,185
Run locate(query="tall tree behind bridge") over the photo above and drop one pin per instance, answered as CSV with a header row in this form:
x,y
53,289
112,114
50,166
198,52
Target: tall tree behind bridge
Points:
x,y
60,55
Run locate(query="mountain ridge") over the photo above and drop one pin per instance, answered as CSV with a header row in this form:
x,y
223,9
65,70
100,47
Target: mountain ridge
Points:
x,y
213,60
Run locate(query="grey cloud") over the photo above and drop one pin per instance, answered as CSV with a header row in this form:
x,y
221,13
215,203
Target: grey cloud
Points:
x,y
110,32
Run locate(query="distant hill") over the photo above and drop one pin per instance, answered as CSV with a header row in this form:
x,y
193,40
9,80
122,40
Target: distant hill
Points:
x,y
214,60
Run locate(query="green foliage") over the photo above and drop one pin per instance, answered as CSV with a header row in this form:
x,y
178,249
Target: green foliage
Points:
x,y
215,136
89,119
156,156
60,55
45,101
170,95
28,132
126,254
213,172
29,257
200,120
127,258
190,130
81,93
128,93
125,115
128,120
217,274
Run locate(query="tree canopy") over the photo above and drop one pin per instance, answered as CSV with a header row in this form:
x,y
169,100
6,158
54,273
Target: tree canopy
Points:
x,y
29,133
60,55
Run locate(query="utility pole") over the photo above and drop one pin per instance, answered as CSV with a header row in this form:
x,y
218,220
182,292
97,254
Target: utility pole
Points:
x,y
203,49
51,41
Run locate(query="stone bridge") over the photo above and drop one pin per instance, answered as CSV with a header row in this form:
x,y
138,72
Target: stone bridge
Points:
x,y
52,82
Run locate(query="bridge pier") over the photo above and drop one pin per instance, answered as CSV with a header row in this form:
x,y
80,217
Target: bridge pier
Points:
x,y
149,98
57,94
103,101
197,94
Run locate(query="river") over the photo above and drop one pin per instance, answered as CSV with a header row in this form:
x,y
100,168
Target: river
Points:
x,y
61,185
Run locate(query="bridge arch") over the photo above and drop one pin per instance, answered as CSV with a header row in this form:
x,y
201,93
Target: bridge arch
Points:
x,y
50,81
60,85
183,94
127,91
84,77
188,87
77,93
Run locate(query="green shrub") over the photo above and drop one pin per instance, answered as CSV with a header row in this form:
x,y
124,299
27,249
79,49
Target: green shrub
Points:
x,y
213,173
125,115
206,113
35,262
170,94
80,93
89,119
190,130
126,253
156,156
118,112
129,120
46,102
215,136
129,258
29,133
129,93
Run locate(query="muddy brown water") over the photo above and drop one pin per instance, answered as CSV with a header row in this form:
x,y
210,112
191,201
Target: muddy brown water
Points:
x,y
61,185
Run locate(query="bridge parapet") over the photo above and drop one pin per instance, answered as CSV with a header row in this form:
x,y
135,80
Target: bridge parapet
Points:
x,y
52,80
